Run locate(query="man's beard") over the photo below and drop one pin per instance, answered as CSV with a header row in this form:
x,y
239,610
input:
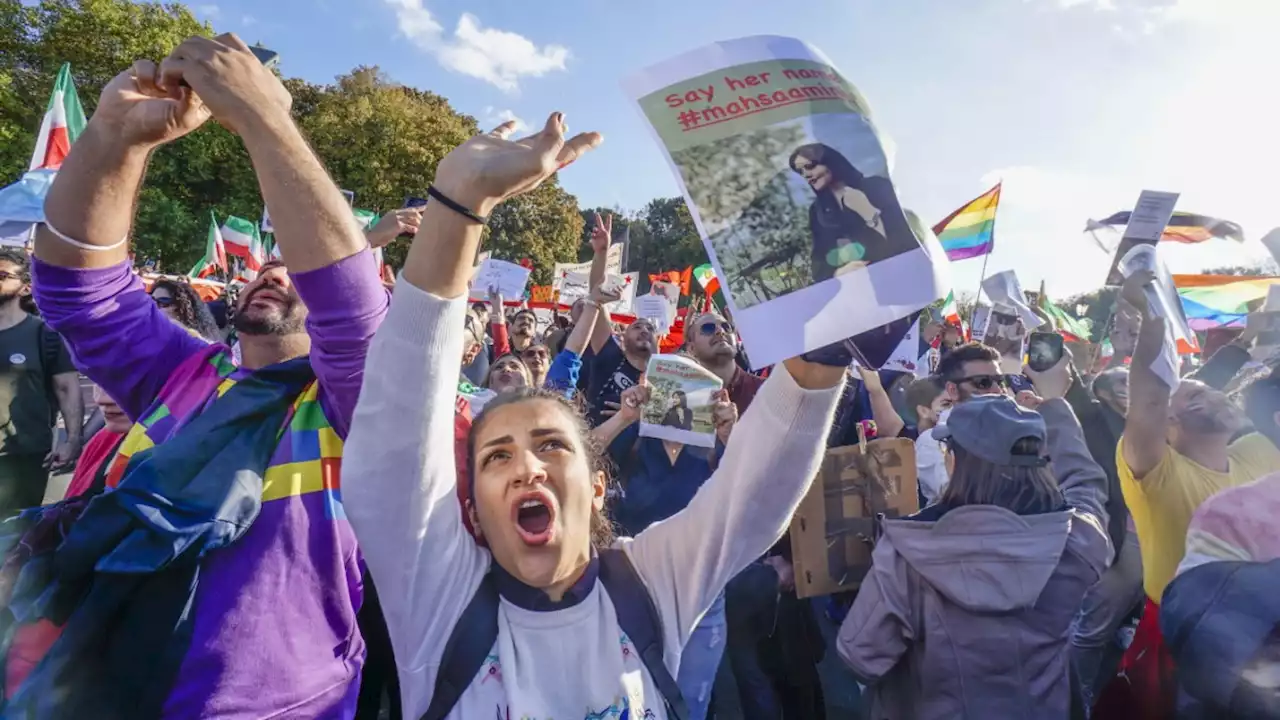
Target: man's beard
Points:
x,y
291,319
6,298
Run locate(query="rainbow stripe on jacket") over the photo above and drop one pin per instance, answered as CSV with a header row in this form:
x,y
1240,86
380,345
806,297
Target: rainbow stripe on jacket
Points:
x,y
970,231
275,613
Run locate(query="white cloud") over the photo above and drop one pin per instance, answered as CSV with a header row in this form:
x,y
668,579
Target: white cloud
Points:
x,y
208,11
494,117
499,57
248,20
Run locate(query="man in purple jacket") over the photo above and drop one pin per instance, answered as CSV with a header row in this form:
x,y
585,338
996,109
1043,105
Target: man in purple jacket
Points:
x,y
274,630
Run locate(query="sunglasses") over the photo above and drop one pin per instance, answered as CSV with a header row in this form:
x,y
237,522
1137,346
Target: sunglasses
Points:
x,y
985,382
711,327
540,354
163,301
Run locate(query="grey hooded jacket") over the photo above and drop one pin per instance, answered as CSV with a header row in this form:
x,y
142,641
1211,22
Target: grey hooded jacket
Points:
x,y
969,615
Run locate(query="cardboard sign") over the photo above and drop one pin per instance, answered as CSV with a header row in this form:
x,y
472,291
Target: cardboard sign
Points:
x,y
1147,222
828,552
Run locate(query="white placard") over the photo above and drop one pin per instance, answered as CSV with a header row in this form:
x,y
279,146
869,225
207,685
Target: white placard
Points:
x,y
573,286
1004,289
1162,298
772,149
1272,242
509,278
908,357
656,309
680,403
1151,215
560,270
979,323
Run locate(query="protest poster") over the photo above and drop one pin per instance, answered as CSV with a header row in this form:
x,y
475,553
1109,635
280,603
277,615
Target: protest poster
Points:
x,y
832,528
979,323
509,278
1003,289
656,309
613,266
680,403
1163,300
573,287
669,292
1271,241
541,294
1008,336
787,182
912,354
1150,216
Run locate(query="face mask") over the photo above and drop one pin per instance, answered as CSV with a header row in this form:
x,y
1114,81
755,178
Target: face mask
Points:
x,y
942,416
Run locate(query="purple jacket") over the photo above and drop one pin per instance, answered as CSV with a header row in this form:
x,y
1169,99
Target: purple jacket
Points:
x,y
969,615
274,631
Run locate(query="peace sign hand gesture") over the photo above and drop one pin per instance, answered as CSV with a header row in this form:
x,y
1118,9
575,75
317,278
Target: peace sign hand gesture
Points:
x,y
489,168
602,233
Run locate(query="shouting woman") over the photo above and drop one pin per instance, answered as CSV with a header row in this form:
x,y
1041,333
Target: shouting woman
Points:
x,y
520,620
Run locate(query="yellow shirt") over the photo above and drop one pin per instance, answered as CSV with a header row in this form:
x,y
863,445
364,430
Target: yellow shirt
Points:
x,y
1162,502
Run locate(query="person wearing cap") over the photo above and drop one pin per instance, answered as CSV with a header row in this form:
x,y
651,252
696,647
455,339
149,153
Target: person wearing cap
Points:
x,y
968,606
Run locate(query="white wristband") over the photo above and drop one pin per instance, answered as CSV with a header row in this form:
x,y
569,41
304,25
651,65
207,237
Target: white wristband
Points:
x,y
83,246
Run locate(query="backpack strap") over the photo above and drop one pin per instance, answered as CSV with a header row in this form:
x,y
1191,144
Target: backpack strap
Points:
x,y
639,619
469,644
476,631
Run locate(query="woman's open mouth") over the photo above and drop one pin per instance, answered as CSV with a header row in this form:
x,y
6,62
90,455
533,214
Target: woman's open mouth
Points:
x,y
535,518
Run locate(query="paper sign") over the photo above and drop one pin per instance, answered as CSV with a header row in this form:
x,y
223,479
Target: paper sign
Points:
x,y
680,405
1147,222
787,182
509,278
573,287
912,354
655,309
1272,303
828,550
541,294
1151,215
671,293
1008,336
1272,242
979,323
560,270
1003,288
1162,297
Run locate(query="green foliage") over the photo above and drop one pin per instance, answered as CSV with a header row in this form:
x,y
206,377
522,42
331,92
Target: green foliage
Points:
x,y
377,138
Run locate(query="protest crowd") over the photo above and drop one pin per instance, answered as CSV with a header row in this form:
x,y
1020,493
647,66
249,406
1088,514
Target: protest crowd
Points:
x,y
350,492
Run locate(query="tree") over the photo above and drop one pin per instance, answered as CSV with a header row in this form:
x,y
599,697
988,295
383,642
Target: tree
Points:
x,y
663,237
543,225
377,138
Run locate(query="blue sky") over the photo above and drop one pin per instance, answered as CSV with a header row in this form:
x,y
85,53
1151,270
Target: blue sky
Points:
x,y
1077,104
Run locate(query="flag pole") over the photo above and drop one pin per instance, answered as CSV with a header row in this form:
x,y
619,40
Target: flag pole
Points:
x,y
974,313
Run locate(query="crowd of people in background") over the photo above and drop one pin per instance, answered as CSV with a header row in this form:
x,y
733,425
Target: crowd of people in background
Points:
x,y
336,495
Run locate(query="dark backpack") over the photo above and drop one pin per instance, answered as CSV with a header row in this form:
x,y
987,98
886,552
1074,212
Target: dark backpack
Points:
x,y
473,637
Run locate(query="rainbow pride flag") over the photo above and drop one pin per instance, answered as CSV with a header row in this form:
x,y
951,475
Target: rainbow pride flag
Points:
x,y
970,231
1211,301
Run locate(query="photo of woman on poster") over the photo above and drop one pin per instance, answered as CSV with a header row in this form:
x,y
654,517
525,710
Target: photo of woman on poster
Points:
x,y
855,219
680,415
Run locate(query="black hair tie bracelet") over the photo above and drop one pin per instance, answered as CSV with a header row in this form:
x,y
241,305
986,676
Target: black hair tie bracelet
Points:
x,y
456,206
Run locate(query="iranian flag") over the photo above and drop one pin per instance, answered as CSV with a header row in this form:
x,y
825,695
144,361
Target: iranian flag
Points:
x,y
63,122
242,241
215,253
706,277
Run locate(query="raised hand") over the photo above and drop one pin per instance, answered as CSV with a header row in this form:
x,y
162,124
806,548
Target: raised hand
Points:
x,y
602,233
724,415
393,225
490,168
1134,291
602,297
136,108
224,73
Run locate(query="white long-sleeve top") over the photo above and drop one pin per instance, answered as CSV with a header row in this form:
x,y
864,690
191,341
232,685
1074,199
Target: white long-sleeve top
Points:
x,y
398,490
